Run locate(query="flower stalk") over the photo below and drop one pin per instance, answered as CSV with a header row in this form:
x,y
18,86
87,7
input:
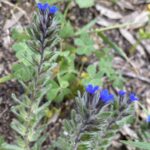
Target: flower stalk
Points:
x,y
30,109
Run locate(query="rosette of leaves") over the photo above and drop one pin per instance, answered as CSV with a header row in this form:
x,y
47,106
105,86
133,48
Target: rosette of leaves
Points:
x,y
33,71
94,122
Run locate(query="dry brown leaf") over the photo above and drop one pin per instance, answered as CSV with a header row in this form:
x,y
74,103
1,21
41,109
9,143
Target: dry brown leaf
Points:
x,y
127,131
146,44
11,22
108,13
138,19
123,4
138,2
130,38
104,22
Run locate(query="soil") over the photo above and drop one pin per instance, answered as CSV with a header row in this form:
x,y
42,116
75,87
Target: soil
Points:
x,y
78,18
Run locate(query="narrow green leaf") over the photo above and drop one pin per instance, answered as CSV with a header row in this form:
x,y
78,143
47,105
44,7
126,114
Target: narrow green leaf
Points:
x,y
6,78
18,127
113,45
86,27
137,144
11,147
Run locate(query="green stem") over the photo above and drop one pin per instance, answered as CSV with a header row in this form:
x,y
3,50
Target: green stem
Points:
x,y
116,26
113,27
6,78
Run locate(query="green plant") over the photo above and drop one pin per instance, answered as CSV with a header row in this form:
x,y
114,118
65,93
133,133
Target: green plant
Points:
x,y
75,48
142,131
1,142
36,59
98,115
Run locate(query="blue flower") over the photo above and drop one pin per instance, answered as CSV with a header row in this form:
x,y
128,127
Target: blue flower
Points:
x,y
91,89
148,119
42,7
121,93
106,97
133,97
53,9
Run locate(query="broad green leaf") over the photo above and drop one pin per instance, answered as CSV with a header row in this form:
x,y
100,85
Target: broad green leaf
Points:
x,y
67,30
52,93
112,45
96,81
91,70
85,45
19,34
138,144
62,93
23,53
22,72
86,27
85,3
125,120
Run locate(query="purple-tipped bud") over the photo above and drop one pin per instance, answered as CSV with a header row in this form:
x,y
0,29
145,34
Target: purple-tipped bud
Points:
x,y
91,89
133,97
53,9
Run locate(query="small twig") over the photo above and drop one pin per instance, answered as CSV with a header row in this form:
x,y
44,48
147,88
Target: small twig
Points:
x,y
1,114
16,7
131,75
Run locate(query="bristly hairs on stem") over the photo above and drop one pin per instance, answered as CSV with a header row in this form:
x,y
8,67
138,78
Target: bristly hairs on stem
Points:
x,y
30,108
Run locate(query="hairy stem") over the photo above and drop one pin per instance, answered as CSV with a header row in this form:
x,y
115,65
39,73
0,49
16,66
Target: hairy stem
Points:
x,y
33,96
78,135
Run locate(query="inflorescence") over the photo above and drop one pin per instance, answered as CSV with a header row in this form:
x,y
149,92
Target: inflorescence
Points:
x,y
47,7
107,97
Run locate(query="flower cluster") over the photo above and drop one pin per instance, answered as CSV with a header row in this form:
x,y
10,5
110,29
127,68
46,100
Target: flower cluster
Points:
x,y
107,97
148,119
46,6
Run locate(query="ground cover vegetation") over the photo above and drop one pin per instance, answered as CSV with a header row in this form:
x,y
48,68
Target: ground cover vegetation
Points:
x,y
58,63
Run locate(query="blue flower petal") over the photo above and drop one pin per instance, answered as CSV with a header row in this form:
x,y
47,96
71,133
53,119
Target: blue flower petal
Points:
x,y
91,89
45,6
53,9
42,7
121,93
106,97
148,119
39,5
133,97
96,88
